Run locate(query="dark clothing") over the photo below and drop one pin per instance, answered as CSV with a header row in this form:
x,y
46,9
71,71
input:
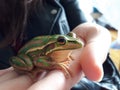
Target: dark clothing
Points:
x,y
60,17
55,18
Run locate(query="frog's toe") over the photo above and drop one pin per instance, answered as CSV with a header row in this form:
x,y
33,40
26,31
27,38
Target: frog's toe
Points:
x,y
66,70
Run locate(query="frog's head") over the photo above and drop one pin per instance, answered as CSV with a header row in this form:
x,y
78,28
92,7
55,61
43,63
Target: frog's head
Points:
x,y
68,41
65,42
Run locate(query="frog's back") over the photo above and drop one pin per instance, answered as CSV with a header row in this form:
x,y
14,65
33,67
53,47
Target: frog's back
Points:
x,y
36,43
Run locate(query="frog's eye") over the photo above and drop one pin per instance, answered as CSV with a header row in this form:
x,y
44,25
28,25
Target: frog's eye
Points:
x,y
61,40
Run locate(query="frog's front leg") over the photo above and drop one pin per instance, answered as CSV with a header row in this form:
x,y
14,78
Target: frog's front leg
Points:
x,y
22,62
46,63
64,66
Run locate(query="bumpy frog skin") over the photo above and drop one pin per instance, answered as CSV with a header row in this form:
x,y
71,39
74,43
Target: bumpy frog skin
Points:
x,y
46,53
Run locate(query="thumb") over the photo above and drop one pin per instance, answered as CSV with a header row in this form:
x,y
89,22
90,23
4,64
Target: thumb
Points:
x,y
91,62
97,42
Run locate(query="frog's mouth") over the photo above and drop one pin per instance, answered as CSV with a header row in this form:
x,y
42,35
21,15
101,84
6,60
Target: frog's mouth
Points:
x,y
67,47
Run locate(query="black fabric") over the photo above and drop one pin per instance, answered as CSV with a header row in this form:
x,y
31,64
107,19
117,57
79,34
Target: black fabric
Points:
x,y
43,22
74,14
5,54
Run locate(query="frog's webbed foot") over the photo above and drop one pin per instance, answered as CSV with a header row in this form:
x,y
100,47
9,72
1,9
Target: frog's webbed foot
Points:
x,y
65,68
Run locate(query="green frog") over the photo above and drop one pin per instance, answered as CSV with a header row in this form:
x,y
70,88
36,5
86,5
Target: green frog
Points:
x,y
46,53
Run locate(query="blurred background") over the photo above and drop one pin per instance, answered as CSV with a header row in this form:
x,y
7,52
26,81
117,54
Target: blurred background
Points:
x,y
109,9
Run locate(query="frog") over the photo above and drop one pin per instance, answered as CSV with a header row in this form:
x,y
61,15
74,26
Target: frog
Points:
x,y
46,53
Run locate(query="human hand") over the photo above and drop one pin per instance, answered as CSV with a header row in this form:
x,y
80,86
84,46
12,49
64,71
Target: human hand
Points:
x,y
89,61
10,80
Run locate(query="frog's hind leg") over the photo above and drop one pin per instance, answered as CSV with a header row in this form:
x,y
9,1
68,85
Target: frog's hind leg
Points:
x,y
43,62
21,62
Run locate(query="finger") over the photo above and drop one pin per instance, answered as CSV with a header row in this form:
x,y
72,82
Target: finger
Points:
x,y
19,83
7,74
75,68
55,80
91,65
93,56
95,50
5,70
